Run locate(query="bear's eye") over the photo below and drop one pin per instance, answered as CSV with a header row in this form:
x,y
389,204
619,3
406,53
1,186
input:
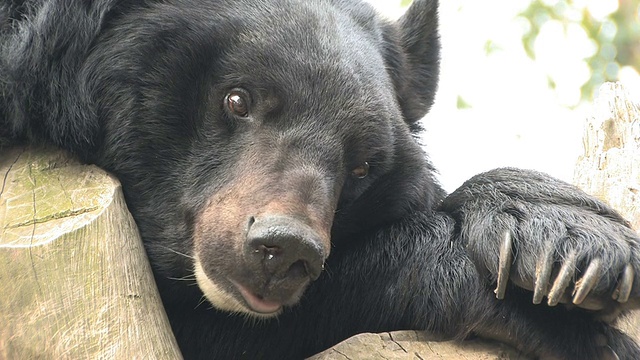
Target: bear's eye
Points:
x,y
361,171
237,102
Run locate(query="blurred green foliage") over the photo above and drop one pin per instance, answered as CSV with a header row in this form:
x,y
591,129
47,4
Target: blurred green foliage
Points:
x,y
616,36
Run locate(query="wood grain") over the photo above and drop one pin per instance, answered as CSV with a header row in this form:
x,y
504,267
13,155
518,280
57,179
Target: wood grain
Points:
x,y
74,279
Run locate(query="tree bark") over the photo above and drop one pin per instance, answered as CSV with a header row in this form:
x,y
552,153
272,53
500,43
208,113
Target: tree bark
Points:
x,y
610,165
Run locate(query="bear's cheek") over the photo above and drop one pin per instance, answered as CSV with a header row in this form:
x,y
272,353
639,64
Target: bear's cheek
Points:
x,y
257,245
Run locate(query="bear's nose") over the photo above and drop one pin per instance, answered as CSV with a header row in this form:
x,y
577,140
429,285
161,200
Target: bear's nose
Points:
x,y
285,248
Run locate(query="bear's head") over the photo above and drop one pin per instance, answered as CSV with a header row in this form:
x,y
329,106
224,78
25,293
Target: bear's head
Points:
x,y
253,136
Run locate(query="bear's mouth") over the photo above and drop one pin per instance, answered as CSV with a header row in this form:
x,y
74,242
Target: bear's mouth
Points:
x,y
256,302
230,295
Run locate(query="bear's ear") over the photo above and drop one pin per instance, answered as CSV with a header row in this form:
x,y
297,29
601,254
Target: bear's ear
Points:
x,y
413,58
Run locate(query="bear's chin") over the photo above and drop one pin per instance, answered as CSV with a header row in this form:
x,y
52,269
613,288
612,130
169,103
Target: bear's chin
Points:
x,y
245,302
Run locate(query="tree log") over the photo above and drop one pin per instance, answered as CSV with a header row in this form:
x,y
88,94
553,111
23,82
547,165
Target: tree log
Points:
x,y
75,282
415,345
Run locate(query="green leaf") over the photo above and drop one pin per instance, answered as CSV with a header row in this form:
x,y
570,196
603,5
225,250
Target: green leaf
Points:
x,y
405,3
491,47
462,103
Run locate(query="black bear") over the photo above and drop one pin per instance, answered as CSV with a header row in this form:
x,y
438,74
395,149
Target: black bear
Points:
x,y
267,152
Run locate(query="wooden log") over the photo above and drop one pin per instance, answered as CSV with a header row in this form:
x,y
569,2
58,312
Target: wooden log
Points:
x,y
415,345
610,165
75,282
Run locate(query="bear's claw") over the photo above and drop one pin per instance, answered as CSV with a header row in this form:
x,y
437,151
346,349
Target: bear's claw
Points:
x,y
588,281
504,268
543,273
563,280
623,290
567,271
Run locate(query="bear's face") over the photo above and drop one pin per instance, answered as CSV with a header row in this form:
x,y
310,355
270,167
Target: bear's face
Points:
x,y
249,138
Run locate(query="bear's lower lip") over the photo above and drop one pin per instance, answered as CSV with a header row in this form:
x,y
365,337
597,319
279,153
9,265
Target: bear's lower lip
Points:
x,y
255,303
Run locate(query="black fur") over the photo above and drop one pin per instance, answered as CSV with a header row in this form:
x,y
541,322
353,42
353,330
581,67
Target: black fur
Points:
x,y
138,88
